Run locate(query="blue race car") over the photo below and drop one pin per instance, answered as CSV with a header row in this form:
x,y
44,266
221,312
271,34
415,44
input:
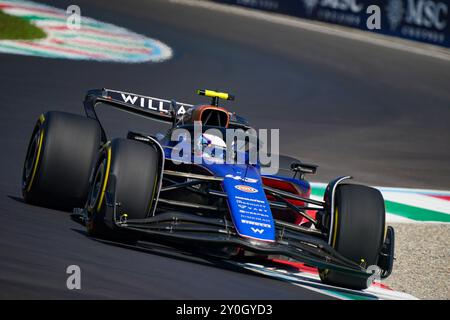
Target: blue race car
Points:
x,y
187,188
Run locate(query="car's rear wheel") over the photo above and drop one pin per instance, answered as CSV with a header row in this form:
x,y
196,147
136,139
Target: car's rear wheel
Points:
x,y
357,232
128,170
59,160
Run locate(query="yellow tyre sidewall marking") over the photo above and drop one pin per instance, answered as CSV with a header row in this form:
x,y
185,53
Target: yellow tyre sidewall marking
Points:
x,y
333,243
153,195
36,161
324,272
105,182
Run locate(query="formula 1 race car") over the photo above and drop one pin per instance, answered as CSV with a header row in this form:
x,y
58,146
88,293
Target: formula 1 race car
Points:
x,y
147,187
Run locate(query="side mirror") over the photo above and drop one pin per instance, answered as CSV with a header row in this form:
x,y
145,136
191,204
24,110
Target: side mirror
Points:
x,y
303,168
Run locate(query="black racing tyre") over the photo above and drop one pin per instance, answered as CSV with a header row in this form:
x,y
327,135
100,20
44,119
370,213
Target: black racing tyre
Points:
x,y
59,160
135,167
357,232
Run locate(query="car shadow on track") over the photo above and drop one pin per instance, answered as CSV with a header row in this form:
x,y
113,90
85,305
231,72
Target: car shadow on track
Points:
x,y
170,252
18,199
233,265
162,250
147,247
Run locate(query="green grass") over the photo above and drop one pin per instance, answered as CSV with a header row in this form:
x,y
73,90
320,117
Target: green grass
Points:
x,y
15,28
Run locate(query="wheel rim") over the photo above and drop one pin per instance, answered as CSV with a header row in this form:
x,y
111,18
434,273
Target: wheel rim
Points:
x,y
96,189
31,158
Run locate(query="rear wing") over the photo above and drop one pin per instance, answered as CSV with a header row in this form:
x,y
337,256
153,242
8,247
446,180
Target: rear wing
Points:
x,y
150,107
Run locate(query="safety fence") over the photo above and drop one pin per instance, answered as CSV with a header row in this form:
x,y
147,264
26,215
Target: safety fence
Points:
x,y
420,20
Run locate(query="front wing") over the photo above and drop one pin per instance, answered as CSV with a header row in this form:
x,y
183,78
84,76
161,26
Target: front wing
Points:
x,y
295,242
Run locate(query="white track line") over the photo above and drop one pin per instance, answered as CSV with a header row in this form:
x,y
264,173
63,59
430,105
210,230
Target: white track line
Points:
x,y
412,190
312,282
418,200
316,26
395,218
413,197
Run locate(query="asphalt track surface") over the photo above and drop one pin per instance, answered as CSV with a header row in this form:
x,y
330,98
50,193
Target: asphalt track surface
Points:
x,y
379,114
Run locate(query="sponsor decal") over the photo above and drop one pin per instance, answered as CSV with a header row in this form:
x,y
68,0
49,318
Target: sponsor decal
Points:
x,y
240,199
420,20
239,178
264,4
258,224
256,230
249,208
343,5
150,103
427,13
425,20
338,11
245,188
144,102
311,5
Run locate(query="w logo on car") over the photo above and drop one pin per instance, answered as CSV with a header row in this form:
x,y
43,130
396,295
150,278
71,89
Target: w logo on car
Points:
x,y
256,230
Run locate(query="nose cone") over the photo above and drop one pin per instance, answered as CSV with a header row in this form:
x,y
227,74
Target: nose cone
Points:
x,y
249,207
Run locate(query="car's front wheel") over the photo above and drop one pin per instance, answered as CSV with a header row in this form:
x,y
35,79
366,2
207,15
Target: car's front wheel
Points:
x,y
128,170
357,232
